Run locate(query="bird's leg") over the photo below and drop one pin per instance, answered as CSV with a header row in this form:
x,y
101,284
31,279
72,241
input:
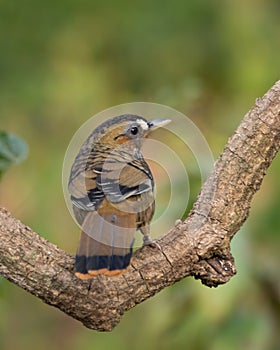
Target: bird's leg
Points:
x,y
147,240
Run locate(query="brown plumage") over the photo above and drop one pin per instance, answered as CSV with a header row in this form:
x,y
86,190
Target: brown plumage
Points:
x,y
112,192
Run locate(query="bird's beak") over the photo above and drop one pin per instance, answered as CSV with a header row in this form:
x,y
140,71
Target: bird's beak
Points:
x,y
157,123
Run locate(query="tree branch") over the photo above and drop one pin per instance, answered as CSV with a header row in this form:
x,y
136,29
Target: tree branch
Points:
x,y
198,247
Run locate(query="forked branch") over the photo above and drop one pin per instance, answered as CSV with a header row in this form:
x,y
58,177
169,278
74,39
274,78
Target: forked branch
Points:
x,y
199,247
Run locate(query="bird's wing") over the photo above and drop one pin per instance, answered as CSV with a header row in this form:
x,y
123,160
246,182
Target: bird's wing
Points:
x,y
122,180
82,184
96,177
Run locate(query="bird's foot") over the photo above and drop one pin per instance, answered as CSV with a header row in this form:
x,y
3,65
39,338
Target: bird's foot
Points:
x,y
147,240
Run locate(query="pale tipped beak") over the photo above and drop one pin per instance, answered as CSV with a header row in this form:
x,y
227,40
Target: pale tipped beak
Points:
x,y
157,123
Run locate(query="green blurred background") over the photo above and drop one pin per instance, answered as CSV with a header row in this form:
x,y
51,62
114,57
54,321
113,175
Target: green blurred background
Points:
x,y
63,61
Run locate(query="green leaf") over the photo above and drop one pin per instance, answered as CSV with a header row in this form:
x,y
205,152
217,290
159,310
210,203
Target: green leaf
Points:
x,y
12,150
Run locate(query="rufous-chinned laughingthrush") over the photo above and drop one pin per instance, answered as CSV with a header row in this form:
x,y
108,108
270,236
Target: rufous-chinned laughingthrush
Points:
x,y
112,194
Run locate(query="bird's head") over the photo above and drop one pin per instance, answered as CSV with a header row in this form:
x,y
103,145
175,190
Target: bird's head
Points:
x,y
127,130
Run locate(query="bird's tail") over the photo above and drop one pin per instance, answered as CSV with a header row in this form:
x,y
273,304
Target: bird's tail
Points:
x,y
105,244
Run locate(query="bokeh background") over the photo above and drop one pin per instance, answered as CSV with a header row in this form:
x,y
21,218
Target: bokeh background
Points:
x,y
63,61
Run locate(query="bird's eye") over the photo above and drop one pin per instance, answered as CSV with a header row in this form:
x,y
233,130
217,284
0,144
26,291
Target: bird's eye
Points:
x,y
134,130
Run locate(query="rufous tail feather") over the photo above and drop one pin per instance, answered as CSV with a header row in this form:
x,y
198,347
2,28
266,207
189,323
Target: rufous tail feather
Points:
x,y
105,244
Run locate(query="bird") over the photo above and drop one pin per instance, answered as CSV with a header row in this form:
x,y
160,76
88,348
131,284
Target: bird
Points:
x,y
111,188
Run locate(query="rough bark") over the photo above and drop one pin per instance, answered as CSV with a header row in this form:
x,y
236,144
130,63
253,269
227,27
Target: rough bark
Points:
x,y
199,247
